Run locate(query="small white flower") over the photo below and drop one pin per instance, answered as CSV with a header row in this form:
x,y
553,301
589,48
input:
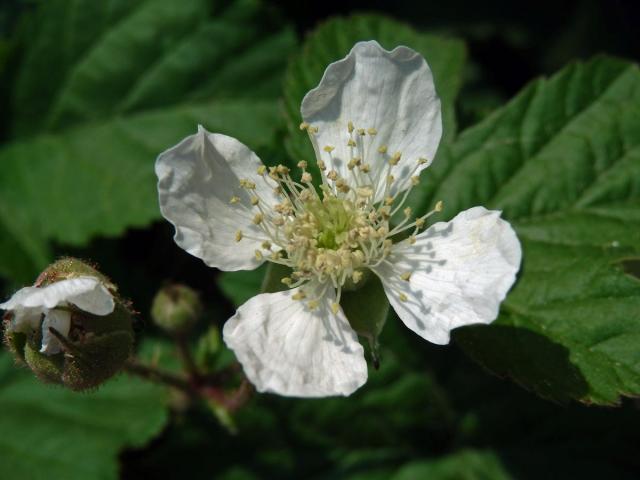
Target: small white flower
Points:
x,y
375,123
48,307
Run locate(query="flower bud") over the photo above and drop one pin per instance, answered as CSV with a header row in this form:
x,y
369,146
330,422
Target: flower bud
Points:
x,y
176,309
71,327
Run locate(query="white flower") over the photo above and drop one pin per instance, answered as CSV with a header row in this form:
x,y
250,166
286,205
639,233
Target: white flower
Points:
x,y
49,307
375,123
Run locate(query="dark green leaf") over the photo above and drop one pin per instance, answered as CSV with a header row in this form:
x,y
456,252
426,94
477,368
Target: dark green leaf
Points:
x,y
562,160
50,432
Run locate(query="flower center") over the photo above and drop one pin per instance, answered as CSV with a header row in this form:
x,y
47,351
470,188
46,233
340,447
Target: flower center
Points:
x,y
332,234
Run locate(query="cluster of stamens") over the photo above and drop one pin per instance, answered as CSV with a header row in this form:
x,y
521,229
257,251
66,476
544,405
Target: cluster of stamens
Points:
x,y
333,235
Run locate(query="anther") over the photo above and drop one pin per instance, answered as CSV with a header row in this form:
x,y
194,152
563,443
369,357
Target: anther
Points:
x,y
302,164
372,131
261,170
361,132
306,177
406,276
335,307
415,180
356,276
255,201
439,206
395,158
422,161
234,200
350,127
299,295
402,297
304,126
329,148
287,281
382,149
313,304
388,200
238,235
266,245
321,165
332,175
351,143
257,219
407,212
258,254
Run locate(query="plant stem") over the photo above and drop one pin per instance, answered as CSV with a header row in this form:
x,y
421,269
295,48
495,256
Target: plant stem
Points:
x,y
157,375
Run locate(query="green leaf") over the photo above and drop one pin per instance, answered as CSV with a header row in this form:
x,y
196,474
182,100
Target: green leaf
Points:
x,y
50,432
99,179
125,57
463,465
333,40
126,81
562,160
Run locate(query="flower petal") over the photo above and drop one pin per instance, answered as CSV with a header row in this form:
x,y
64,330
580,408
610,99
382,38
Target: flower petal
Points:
x,y
25,320
287,349
196,181
460,272
17,299
392,92
61,321
87,293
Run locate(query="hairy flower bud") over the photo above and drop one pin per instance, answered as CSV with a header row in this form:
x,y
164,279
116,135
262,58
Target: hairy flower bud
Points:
x,y
71,327
176,309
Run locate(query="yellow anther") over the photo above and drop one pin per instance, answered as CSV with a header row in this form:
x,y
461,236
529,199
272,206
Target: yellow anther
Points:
x,y
329,148
261,170
299,295
266,245
302,164
439,206
372,131
382,149
361,132
258,254
388,200
364,192
406,276
402,297
313,304
415,180
350,127
352,164
419,222
248,184
335,307
306,177
275,255
395,158
321,165
312,129
365,168
385,211
287,281
412,239
332,175
356,276
422,161
255,201
351,142
238,235
234,200
257,219
304,126
278,190
390,179
282,170
407,212
342,186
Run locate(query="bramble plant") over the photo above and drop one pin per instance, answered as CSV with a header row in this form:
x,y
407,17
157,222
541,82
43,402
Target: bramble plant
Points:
x,y
362,211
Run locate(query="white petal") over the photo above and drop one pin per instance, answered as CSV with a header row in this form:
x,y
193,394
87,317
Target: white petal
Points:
x,y
287,349
460,272
196,181
25,320
87,293
18,298
61,321
392,92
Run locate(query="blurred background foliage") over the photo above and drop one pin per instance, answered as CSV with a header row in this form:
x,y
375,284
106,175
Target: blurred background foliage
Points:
x,y
91,92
